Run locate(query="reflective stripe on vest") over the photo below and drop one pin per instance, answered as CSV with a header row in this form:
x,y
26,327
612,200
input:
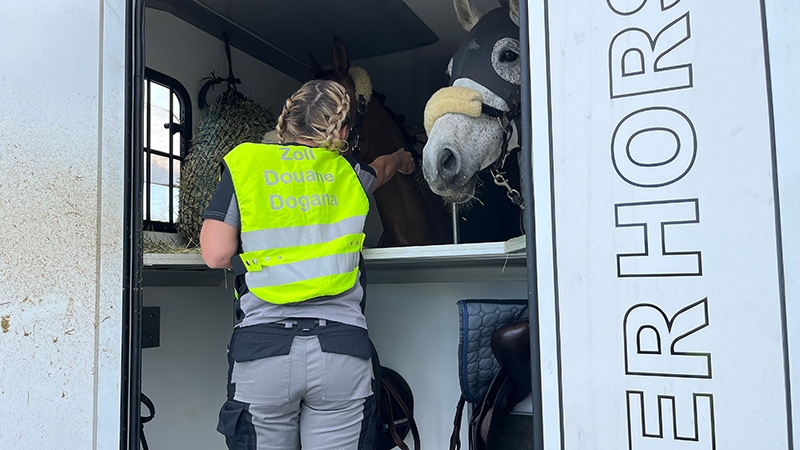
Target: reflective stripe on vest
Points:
x,y
302,218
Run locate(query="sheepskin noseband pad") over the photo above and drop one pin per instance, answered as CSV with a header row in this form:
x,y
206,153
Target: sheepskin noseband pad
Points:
x,y
453,99
362,81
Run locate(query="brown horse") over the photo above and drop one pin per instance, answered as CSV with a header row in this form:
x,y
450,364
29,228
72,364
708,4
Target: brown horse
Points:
x,y
410,212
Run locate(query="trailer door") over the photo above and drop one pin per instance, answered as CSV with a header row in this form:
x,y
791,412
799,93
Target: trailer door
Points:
x,y
666,195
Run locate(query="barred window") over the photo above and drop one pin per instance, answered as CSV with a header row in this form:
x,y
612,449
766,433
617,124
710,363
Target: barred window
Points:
x,y
167,131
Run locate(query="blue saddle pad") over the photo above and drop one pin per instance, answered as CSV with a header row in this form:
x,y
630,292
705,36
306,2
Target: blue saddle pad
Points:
x,y
478,320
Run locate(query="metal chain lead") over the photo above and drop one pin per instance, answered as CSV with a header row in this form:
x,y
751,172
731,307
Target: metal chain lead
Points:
x,y
512,194
498,175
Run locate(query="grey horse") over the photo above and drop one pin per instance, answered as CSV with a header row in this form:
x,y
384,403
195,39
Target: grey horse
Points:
x,y
472,123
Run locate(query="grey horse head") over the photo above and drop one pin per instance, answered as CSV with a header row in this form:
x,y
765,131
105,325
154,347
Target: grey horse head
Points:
x,y
469,122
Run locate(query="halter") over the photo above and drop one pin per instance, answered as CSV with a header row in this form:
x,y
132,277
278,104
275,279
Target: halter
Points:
x,y
363,94
506,118
355,130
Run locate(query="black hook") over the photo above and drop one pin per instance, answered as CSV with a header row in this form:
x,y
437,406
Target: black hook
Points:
x,y
213,80
232,80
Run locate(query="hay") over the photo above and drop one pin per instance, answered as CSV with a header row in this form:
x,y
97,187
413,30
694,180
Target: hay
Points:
x,y
234,119
153,244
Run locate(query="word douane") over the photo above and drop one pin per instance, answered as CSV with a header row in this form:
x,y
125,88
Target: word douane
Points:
x,y
308,176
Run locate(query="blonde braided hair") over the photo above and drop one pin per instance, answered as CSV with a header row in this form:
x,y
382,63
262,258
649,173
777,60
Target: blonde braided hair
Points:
x,y
316,112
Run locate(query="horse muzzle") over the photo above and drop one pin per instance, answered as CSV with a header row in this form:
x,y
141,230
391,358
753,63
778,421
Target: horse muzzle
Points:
x,y
449,173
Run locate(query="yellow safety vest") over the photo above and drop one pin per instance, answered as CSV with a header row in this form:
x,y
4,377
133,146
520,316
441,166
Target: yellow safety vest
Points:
x,y
302,220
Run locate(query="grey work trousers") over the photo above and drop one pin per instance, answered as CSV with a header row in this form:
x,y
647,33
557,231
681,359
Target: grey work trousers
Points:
x,y
308,399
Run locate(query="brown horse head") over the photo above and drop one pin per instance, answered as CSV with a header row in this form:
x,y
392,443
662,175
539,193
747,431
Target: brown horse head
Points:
x,y
410,213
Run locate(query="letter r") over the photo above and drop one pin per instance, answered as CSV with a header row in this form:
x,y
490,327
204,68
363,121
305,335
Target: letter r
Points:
x,y
652,340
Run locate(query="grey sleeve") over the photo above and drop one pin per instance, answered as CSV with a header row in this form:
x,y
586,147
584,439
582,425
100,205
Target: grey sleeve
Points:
x,y
366,174
223,205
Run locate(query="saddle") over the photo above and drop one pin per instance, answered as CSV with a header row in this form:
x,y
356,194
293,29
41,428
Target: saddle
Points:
x,y
494,368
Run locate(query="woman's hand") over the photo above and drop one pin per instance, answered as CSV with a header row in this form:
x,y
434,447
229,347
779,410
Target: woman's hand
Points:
x,y
386,166
405,164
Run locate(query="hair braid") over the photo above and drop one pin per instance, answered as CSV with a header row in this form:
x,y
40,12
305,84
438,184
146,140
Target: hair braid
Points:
x,y
281,125
315,113
336,121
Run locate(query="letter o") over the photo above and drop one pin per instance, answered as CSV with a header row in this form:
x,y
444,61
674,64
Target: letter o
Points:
x,y
298,155
671,164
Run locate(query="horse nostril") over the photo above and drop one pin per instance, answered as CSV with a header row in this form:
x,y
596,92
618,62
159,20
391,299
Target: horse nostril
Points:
x,y
449,164
448,160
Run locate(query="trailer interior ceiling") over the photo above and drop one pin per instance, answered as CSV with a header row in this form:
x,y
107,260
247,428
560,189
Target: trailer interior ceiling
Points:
x,y
283,34
405,45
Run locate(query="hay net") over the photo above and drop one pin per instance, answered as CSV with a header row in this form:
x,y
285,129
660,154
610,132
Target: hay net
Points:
x,y
232,120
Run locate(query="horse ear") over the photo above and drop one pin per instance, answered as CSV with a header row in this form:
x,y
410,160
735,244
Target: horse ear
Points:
x,y
339,57
468,15
513,7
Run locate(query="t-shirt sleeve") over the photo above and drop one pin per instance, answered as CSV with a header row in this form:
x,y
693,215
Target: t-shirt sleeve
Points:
x,y
223,205
366,174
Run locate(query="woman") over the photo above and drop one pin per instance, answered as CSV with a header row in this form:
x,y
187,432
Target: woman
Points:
x,y
288,219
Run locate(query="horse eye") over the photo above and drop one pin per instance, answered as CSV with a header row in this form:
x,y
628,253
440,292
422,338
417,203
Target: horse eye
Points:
x,y
509,56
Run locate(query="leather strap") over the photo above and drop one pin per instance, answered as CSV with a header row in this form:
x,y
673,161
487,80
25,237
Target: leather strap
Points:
x,y
455,437
144,419
491,423
482,416
393,395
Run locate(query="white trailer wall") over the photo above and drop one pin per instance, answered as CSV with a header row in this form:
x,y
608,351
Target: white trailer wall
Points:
x,y
61,203
666,184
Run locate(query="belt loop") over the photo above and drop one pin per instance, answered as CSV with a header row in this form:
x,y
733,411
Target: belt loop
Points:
x,y
305,324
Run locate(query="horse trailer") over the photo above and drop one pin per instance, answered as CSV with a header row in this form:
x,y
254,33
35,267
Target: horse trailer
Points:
x,y
648,222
